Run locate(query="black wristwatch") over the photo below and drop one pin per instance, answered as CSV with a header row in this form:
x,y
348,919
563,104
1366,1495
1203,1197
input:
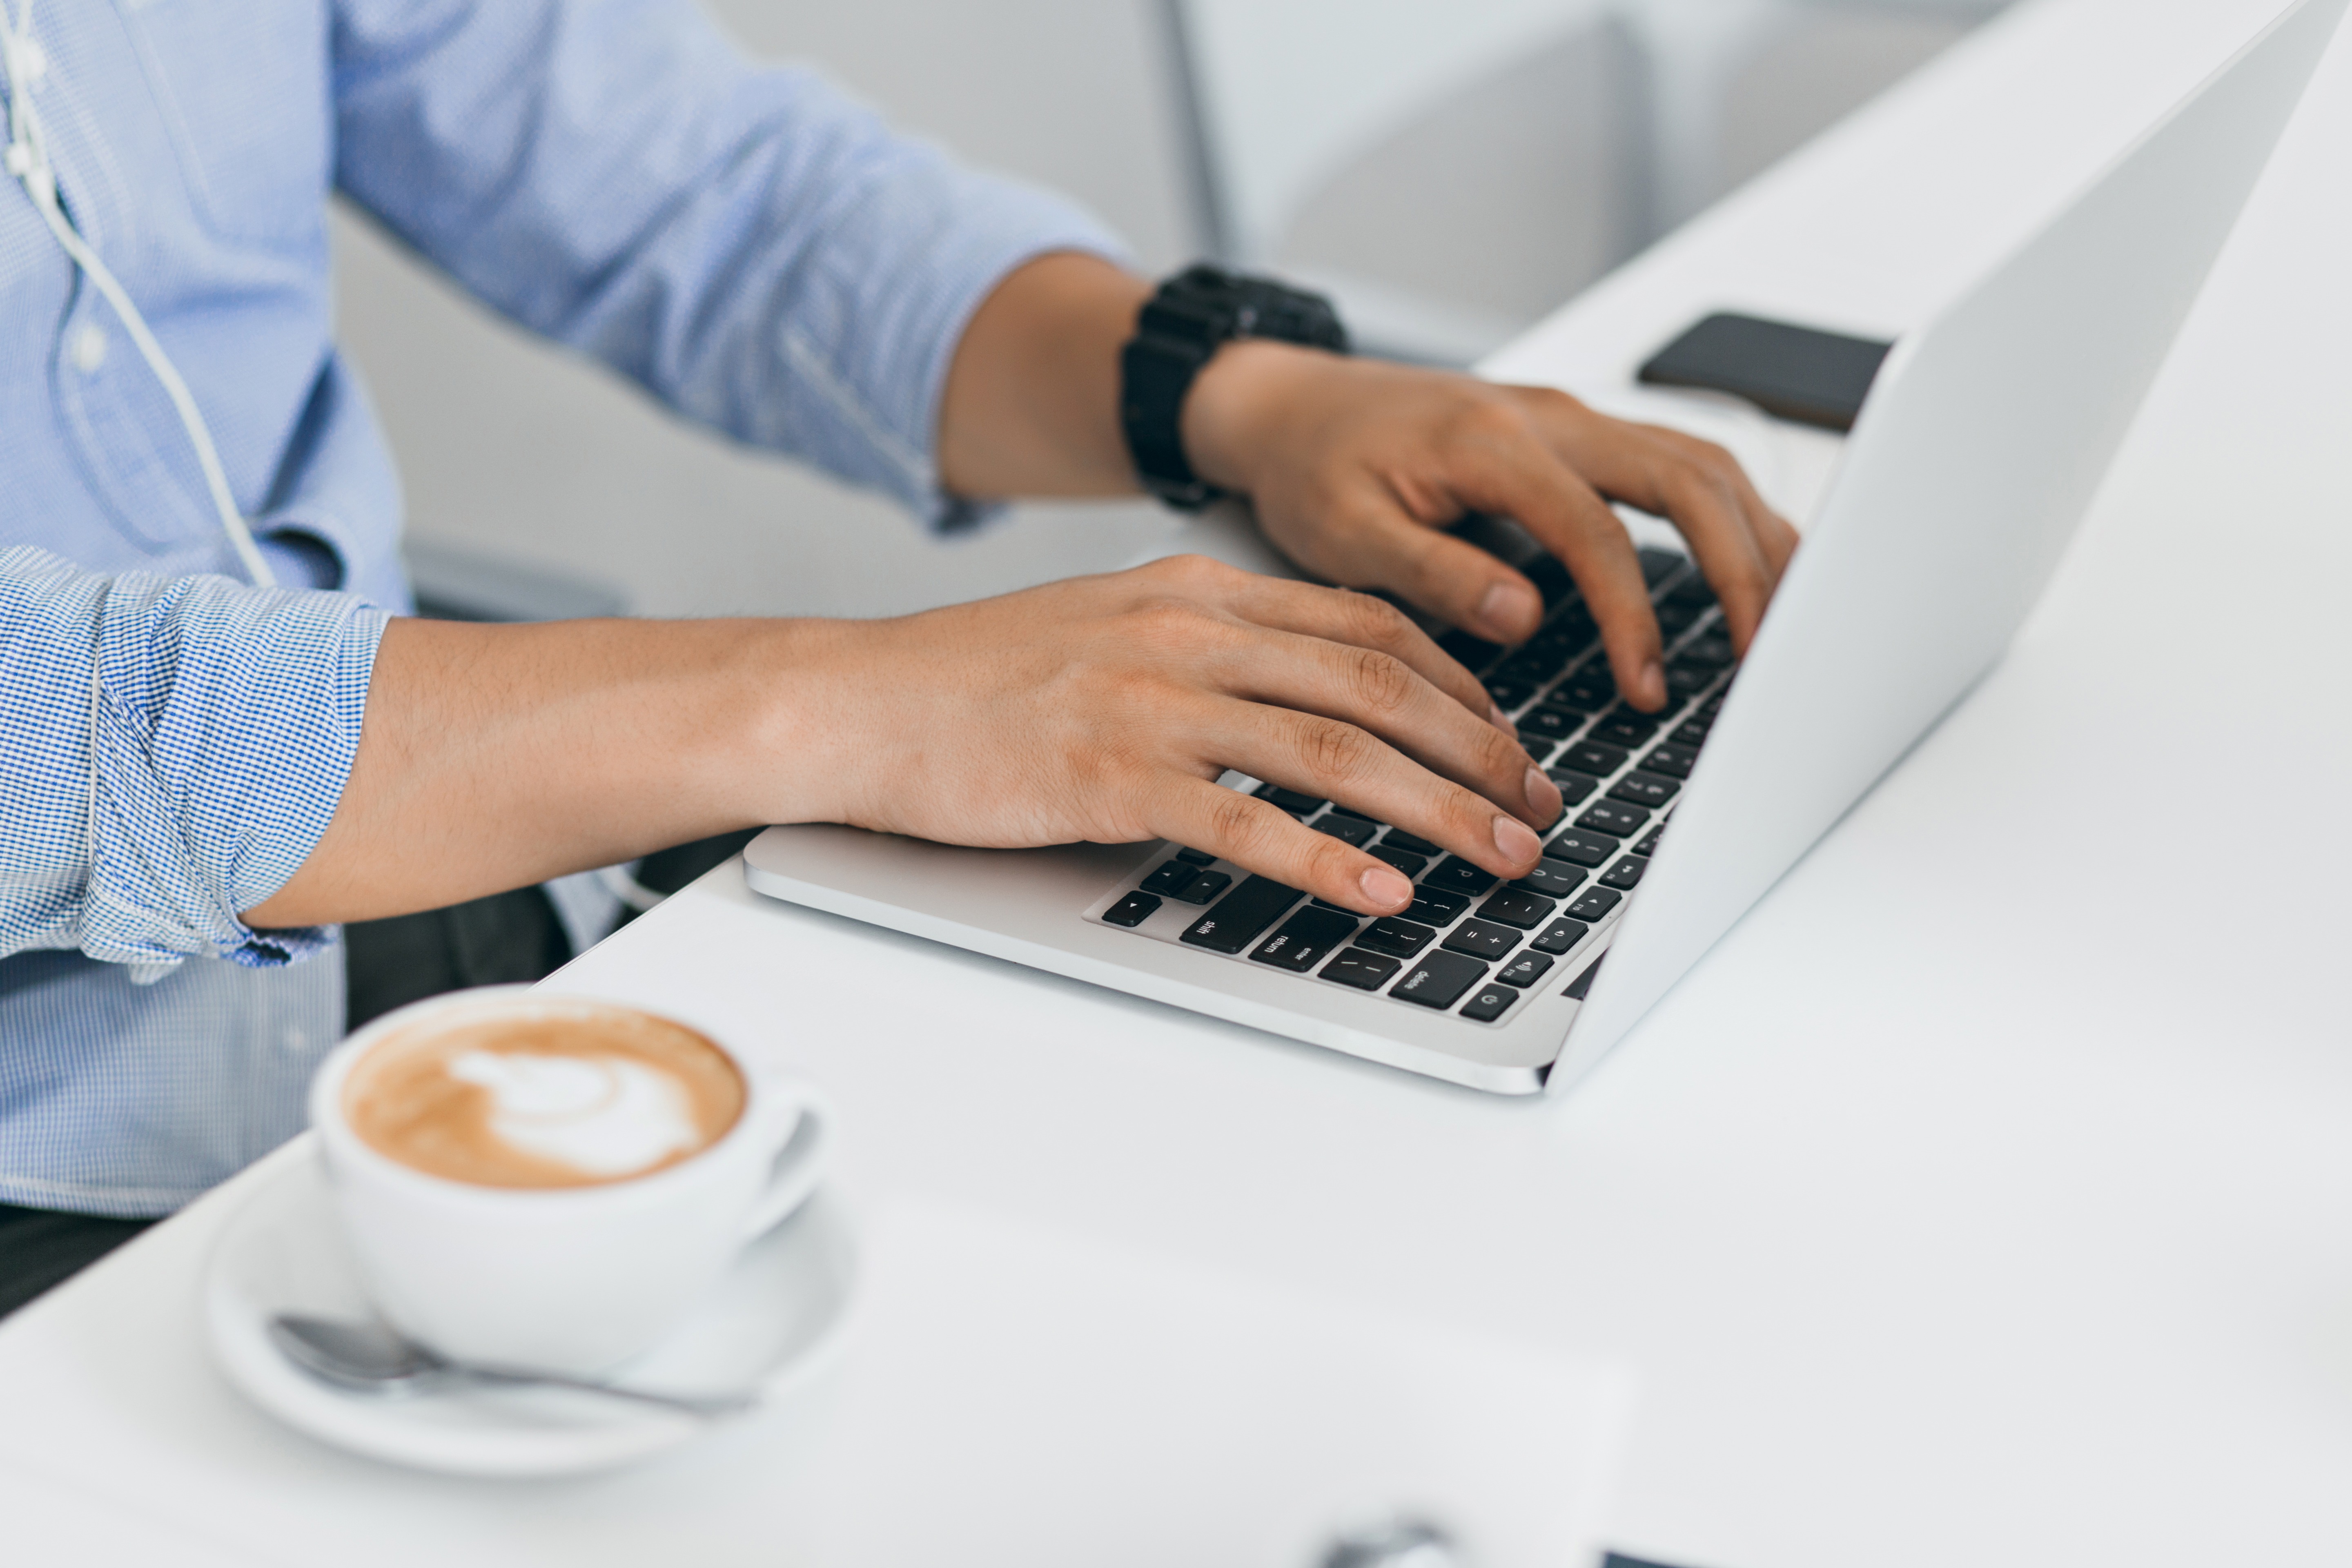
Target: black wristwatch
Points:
x,y
1194,314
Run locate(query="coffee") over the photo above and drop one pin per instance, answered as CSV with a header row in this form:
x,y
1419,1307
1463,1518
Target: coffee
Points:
x,y
559,1094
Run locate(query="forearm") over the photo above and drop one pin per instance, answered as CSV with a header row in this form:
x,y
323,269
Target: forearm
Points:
x,y
1031,406
494,757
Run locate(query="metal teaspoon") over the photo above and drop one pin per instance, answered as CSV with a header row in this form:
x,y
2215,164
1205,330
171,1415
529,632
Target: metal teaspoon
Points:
x,y
374,1358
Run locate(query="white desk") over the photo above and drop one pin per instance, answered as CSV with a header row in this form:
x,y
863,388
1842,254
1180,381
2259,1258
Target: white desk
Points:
x,y
1985,1197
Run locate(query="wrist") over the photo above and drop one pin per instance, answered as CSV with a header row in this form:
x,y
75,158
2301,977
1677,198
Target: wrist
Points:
x,y
798,730
1235,409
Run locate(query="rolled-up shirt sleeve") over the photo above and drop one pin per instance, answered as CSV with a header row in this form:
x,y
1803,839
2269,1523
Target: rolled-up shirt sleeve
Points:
x,y
750,243
170,750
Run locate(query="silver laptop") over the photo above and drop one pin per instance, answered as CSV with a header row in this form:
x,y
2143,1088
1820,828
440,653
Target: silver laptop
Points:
x,y
1973,461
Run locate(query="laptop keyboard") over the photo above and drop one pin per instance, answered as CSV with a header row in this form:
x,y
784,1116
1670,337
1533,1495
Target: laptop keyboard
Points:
x,y
1470,945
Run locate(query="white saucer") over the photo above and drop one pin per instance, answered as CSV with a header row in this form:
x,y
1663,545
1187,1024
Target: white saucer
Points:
x,y
774,1323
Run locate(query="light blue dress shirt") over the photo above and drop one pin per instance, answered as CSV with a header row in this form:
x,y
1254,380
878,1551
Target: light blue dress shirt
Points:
x,y
750,245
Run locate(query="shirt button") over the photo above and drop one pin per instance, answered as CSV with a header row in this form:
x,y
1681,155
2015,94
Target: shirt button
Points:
x,y
89,349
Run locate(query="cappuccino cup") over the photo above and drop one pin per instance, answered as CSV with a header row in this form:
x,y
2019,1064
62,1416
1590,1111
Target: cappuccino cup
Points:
x,y
552,1182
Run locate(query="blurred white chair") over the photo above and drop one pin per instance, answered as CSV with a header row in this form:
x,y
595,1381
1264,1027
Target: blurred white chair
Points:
x,y
1282,96
1695,50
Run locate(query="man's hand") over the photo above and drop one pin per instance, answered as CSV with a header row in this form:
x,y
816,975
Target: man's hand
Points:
x,y
1102,707
1354,466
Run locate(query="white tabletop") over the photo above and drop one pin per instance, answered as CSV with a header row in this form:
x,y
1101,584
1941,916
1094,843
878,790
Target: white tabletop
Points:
x,y
1986,1196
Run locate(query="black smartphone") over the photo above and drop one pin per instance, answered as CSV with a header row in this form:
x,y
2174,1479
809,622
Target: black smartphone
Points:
x,y
1798,372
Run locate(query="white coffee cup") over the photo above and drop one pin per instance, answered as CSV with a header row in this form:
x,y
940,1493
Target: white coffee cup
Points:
x,y
573,1279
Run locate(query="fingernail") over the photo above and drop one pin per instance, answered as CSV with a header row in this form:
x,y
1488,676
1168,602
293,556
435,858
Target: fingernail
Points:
x,y
1543,796
1496,717
1653,683
1386,887
1516,839
1506,608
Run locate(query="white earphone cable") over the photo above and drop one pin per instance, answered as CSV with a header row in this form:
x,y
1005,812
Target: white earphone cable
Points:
x,y
28,161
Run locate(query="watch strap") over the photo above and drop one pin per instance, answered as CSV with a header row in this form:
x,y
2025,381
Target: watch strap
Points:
x,y
1179,330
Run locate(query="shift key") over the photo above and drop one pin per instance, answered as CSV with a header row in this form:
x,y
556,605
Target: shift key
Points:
x,y
1234,920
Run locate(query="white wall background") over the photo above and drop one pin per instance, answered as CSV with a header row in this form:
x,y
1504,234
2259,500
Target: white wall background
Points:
x,y
508,447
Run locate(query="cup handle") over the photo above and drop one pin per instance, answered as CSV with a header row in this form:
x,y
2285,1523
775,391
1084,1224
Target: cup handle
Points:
x,y
798,1165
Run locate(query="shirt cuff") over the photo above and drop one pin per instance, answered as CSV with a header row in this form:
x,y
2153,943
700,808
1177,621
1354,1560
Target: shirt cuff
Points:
x,y
180,744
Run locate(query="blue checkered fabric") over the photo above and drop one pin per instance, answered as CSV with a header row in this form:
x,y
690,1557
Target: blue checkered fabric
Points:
x,y
750,245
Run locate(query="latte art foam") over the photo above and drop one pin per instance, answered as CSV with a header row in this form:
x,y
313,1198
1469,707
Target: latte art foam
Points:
x,y
564,1094
604,1115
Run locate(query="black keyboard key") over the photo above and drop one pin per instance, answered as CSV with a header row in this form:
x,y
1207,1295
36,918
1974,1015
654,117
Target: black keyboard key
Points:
x,y
1471,653
1709,650
1364,971
1409,864
1551,580
1692,734
1673,760
1538,748
1583,983
1241,915
1613,816
1171,878
1291,801
1480,939
1527,669
1439,980
1626,875
1674,619
1132,911
1455,874
1624,727
1525,970
1551,723
1649,844
1352,830
1491,1003
1552,878
1352,811
1586,850
1204,886
1559,936
1198,857
1558,701
1692,591
1684,681
1596,902
1435,905
1513,907
1396,937
1645,789
1508,692
1571,628
1712,706
1590,756
1657,566
1591,688
1397,838
1573,786
1305,940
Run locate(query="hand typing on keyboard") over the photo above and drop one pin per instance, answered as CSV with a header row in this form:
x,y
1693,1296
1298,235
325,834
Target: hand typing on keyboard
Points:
x,y
1105,707
1353,466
